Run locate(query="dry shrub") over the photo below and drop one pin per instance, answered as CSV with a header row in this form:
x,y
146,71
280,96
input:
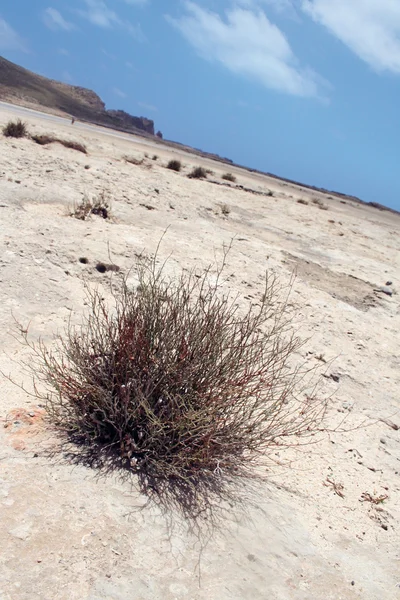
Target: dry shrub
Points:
x,y
44,140
198,173
302,201
174,165
173,382
133,161
225,210
319,203
229,177
15,129
99,206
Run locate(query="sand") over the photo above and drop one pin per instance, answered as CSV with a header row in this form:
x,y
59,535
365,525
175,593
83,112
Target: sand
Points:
x,y
311,531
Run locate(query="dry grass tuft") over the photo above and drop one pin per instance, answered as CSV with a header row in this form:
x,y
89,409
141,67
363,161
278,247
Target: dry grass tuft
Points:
x,y
174,165
133,161
15,129
302,201
44,140
99,206
225,210
174,383
229,177
320,204
198,173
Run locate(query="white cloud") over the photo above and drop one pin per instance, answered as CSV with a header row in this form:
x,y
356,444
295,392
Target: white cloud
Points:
x,y
279,5
137,2
54,20
67,77
248,44
370,28
9,38
119,92
149,107
99,14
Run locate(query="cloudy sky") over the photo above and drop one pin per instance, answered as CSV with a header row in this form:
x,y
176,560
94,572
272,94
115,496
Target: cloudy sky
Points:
x,y
306,89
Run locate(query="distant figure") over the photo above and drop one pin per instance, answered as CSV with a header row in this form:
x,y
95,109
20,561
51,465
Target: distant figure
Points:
x,y
72,120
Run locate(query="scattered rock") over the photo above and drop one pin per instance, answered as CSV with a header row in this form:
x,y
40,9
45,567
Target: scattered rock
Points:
x,y
389,283
21,532
335,377
385,290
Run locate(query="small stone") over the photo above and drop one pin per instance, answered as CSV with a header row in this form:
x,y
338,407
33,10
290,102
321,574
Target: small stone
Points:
x,y
335,377
353,583
348,405
389,283
382,441
385,527
386,290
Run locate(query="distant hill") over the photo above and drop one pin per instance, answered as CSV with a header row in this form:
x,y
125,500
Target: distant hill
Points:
x,y
20,86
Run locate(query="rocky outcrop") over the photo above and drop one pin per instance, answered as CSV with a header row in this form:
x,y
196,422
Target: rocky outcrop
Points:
x,y
123,120
20,86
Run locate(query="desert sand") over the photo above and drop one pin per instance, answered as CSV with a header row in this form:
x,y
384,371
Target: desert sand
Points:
x,y
324,527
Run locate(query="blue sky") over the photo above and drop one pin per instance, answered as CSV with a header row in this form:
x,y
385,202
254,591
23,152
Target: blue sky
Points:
x,y
305,89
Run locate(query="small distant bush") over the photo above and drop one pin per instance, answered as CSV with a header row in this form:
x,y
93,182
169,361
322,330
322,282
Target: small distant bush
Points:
x,y
319,203
302,201
198,173
44,140
154,157
133,161
171,382
99,206
229,177
73,145
15,129
174,165
225,210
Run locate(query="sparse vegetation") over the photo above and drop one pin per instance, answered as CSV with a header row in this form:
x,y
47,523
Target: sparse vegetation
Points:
x,y
133,161
198,173
229,177
99,206
15,129
174,165
319,203
225,210
173,383
155,157
44,140
302,201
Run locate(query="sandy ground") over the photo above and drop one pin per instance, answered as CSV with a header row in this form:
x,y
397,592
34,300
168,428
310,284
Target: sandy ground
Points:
x,y
312,531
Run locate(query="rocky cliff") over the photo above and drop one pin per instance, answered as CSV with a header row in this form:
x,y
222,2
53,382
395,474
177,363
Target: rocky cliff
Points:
x,y
20,86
